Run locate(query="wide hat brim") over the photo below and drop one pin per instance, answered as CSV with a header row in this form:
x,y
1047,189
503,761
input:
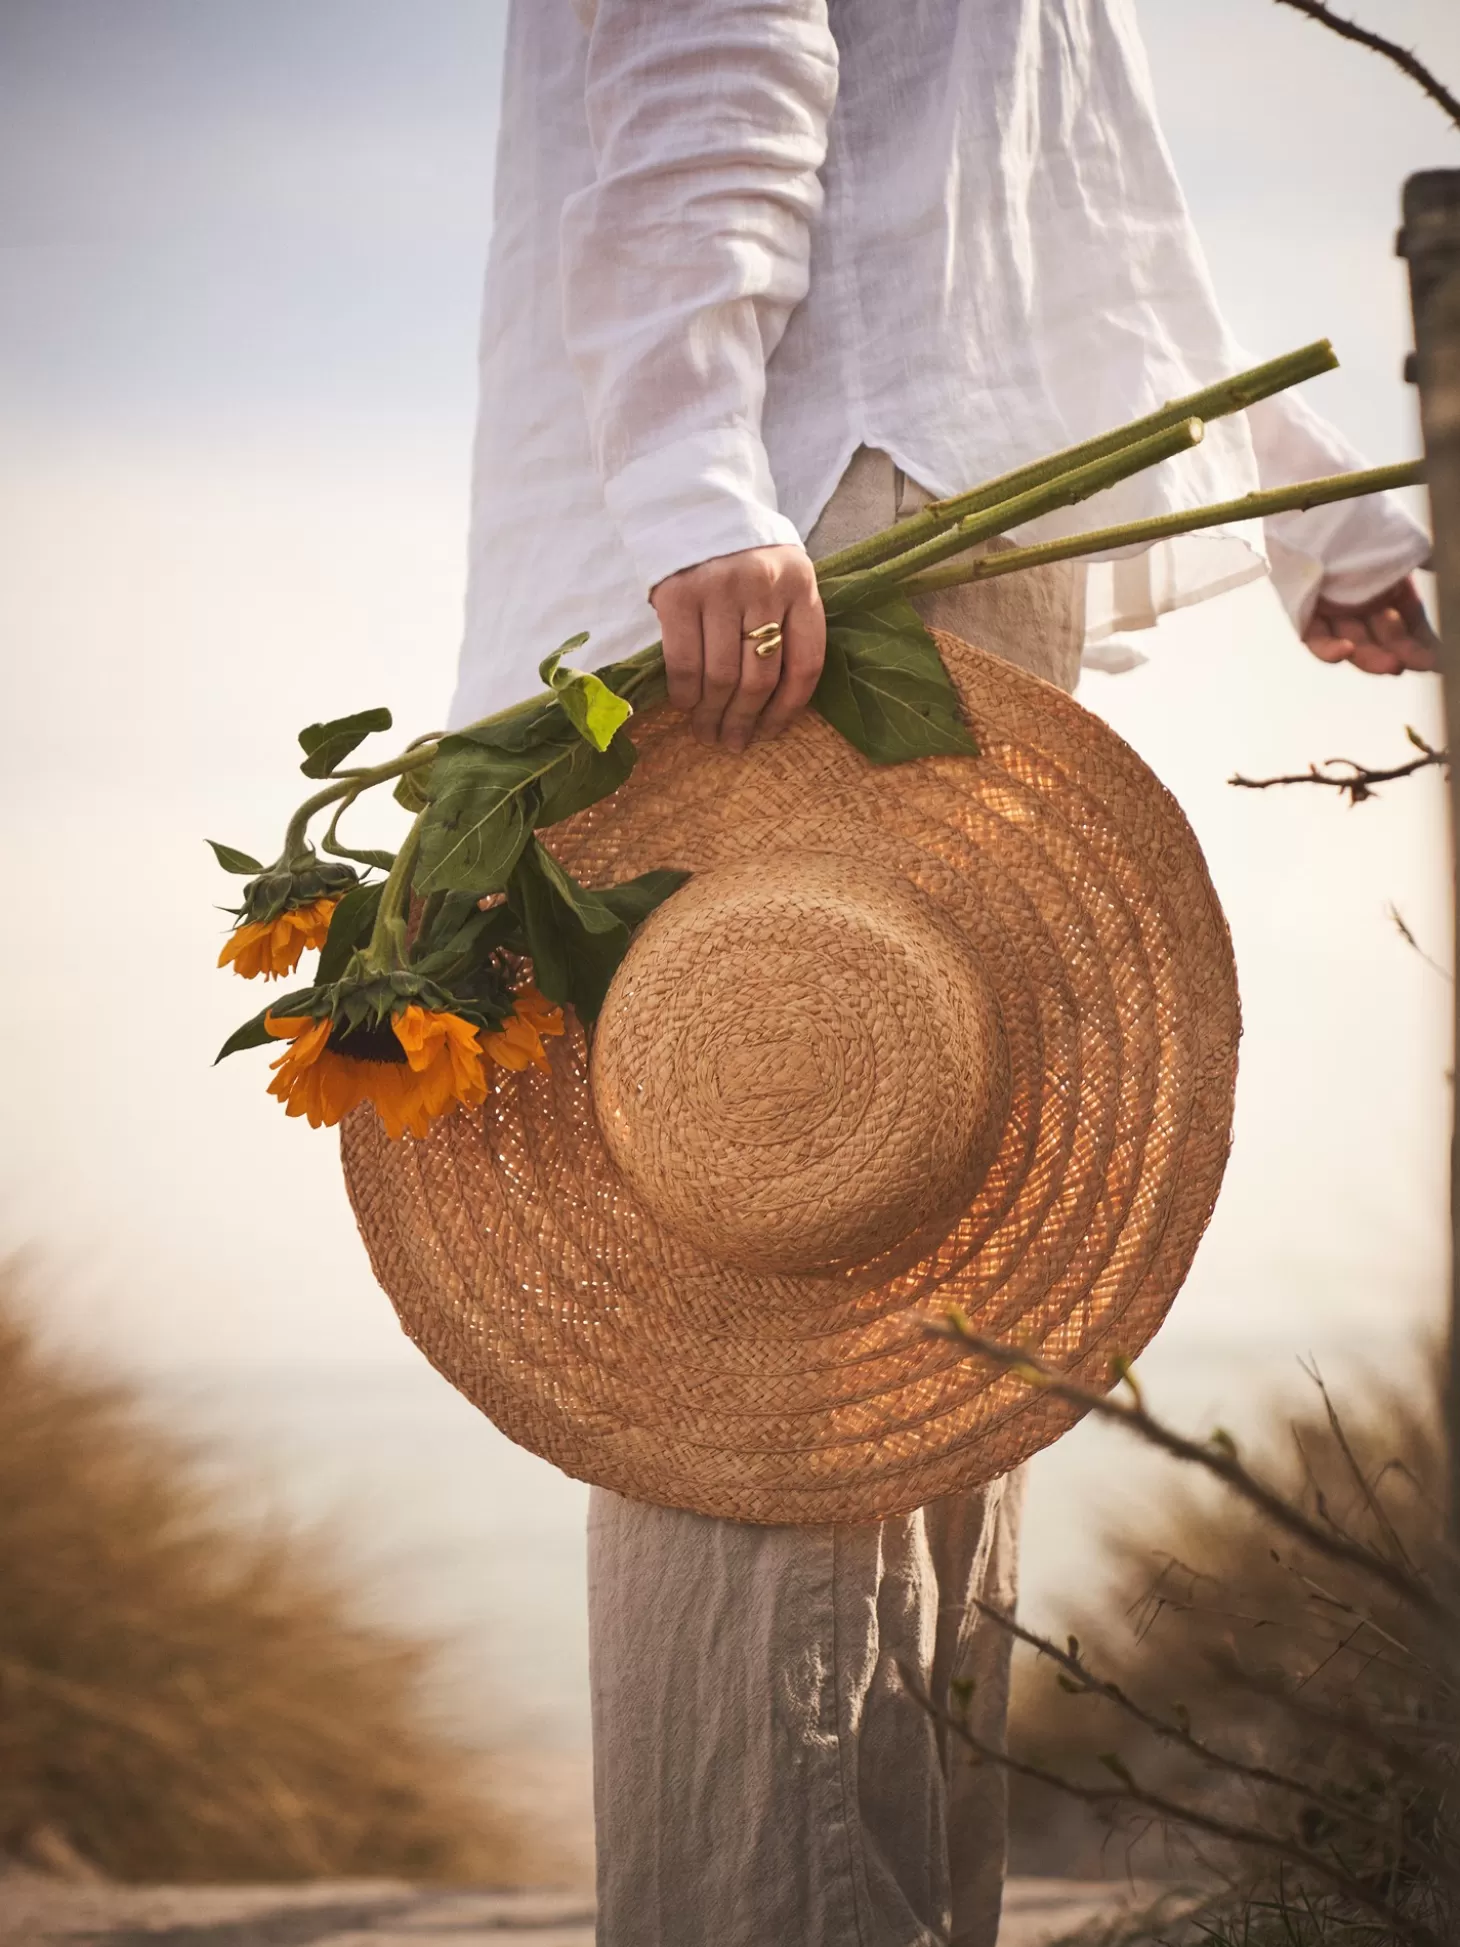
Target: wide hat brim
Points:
x,y
542,1288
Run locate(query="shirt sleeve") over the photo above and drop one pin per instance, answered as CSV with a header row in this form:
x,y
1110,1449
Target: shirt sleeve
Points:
x,y
684,259
1348,551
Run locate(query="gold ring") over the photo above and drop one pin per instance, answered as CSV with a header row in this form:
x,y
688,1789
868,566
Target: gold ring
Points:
x,y
765,640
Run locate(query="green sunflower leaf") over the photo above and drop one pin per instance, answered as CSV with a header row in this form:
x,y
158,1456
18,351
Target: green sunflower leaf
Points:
x,y
635,899
443,916
458,935
576,941
326,745
232,860
577,936
885,689
483,806
460,952
593,709
412,790
543,723
253,1034
350,926
584,775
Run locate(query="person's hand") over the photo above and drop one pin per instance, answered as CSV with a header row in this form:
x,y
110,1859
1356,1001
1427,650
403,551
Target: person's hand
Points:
x,y
1385,635
729,692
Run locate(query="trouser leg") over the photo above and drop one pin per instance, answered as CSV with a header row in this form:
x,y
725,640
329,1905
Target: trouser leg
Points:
x,y
975,1688
761,1773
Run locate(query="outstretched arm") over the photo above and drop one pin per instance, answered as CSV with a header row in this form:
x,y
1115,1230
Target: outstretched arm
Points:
x,y
682,263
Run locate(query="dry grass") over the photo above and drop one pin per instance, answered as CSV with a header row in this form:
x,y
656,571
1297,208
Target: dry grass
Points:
x,y
183,1698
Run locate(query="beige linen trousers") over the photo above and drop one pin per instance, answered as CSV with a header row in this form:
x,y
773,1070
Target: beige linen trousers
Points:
x,y
760,1777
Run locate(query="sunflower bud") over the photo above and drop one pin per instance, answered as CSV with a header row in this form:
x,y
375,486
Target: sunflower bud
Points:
x,y
296,882
286,912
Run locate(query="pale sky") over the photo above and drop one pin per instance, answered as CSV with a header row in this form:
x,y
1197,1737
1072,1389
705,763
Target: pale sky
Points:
x,y
240,249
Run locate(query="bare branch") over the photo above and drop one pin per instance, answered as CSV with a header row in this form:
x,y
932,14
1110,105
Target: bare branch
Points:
x,y
1217,1458
1129,1791
1403,58
1173,1731
1356,781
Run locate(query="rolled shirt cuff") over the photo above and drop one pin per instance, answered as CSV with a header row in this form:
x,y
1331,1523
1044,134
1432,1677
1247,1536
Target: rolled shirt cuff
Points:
x,y
705,495
1347,552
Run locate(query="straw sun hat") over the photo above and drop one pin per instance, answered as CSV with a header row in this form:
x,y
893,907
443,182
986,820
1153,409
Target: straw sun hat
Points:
x,y
960,1031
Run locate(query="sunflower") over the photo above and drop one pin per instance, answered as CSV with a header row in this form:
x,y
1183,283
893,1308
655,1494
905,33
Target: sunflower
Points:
x,y
413,1068
272,947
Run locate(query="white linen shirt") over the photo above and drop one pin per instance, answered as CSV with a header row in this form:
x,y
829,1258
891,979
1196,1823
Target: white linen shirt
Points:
x,y
736,239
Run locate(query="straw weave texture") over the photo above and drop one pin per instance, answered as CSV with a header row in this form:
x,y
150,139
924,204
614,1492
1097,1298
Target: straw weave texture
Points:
x,y
800,1063
1093,1028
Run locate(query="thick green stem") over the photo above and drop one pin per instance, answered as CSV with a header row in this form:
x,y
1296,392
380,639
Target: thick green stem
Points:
x,y
350,787
1213,402
388,935
1065,490
1106,540
331,842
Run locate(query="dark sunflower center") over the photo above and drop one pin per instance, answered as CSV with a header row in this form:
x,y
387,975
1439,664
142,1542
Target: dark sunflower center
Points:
x,y
367,1041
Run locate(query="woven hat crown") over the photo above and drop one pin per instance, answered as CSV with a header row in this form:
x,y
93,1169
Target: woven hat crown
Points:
x,y
800,1063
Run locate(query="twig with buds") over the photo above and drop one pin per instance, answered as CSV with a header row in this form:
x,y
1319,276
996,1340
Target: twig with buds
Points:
x,y
1356,781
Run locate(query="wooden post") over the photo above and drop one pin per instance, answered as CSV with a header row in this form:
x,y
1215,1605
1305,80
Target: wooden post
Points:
x,y
1430,243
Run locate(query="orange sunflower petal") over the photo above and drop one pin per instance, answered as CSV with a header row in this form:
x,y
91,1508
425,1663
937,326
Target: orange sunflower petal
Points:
x,y
416,1108
409,1027
506,1053
288,1027
443,1064
518,1044
314,921
401,1102
544,1014
273,948
244,949
342,1085
305,1045
323,1087
463,1051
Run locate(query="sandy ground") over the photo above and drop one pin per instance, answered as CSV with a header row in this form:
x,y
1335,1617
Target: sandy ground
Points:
x,y
35,1911
69,1903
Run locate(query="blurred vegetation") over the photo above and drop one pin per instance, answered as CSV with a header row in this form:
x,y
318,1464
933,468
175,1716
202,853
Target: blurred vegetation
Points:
x,y
185,1697
1284,1688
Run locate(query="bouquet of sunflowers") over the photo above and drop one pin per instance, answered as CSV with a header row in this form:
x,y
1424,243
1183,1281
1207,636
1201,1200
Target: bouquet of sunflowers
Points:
x,y
464,947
